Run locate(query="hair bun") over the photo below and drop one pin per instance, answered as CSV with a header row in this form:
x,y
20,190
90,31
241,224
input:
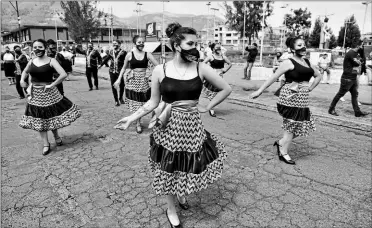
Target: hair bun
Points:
x,y
171,29
288,41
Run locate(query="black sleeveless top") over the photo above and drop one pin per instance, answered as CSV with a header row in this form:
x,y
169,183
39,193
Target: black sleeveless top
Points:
x,y
43,73
134,63
299,73
217,63
172,89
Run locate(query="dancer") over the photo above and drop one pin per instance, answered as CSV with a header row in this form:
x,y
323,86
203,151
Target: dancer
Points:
x,y
217,61
184,157
349,81
293,104
21,63
47,110
93,59
252,53
137,88
117,57
9,65
68,56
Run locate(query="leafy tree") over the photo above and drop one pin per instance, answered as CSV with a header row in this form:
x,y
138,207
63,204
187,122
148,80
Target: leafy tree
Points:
x,y
299,22
82,19
314,38
332,41
235,17
352,33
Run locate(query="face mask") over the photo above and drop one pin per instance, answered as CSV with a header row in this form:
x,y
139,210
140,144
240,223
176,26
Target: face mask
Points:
x,y
140,46
218,50
7,51
18,51
190,55
37,51
116,46
298,51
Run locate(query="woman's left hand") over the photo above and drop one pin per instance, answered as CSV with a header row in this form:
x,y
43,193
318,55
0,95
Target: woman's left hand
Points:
x,y
202,109
49,87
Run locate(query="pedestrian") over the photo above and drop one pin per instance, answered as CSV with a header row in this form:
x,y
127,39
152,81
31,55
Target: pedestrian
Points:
x,y
293,104
349,81
52,53
217,61
93,59
117,57
46,109
9,65
73,52
137,88
184,157
21,63
252,53
68,56
324,65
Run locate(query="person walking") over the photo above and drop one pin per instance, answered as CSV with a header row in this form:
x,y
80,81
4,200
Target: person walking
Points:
x,y
349,81
52,53
21,63
137,88
217,61
47,109
9,65
68,56
293,104
117,57
184,157
252,53
93,59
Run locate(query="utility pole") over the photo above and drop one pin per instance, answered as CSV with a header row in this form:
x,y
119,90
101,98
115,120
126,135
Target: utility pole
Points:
x,y
139,17
208,4
245,13
214,20
19,20
112,27
263,30
163,37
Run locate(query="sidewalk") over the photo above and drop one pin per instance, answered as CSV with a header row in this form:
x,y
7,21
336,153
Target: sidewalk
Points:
x,y
321,97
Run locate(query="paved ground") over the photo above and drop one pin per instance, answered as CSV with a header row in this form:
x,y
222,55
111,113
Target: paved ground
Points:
x,y
100,177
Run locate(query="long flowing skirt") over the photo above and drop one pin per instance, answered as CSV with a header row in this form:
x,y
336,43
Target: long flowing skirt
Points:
x,y
208,89
48,110
137,90
184,157
297,118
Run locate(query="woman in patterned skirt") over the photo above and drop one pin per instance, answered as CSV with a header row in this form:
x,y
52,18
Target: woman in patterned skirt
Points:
x,y
137,88
47,110
217,62
184,157
293,104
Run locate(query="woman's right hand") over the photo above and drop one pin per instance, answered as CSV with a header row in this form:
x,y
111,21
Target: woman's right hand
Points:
x,y
124,123
23,84
255,94
117,84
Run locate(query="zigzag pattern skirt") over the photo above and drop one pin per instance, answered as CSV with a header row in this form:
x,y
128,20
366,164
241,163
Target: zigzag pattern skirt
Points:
x,y
48,110
297,118
137,90
184,157
208,89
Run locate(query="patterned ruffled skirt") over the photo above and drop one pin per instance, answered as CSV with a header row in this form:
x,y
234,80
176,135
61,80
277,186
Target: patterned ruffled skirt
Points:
x,y
184,157
48,110
294,108
137,90
208,89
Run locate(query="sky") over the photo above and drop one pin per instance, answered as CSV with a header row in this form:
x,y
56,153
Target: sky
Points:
x,y
339,9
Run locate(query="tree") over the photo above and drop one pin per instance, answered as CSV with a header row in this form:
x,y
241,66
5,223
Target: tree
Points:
x,y
314,38
299,22
332,41
82,19
352,33
235,17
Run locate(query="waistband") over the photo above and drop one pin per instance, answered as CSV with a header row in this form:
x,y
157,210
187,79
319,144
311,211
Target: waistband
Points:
x,y
296,86
163,111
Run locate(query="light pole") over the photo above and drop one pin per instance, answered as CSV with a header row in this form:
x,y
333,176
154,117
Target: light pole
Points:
x,y
18,18
245,13
163,36
208,4
285,26
263,30
139,13
365,13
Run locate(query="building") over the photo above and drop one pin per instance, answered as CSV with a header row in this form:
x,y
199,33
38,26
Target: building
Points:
x,y
33,32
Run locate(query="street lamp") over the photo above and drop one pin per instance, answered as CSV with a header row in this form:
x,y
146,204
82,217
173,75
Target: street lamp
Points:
x,y
19,19
208,4
138,16
365,14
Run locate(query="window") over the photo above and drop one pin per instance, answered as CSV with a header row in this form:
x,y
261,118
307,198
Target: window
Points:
x,y
235,42
215,35
118,32
126,33
105,32
216,41
228,41
370,43
228,34
59,30
216,29
220,28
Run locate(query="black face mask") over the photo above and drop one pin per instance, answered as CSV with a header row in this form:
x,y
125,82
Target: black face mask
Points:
x,y
37,51
298,51
140,46
18,51
7,51
190,55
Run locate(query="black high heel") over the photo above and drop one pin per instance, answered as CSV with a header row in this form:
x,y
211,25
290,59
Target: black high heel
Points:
x,y
185,205
173,226
280,155
59,141
45,152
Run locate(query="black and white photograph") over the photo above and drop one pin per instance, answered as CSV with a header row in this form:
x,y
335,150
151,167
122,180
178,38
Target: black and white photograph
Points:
x,y
192,114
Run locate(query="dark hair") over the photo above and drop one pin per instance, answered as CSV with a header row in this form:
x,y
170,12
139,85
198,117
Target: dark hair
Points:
x,y
175,33
51,41
16,46
118,41
290,42
255,44
326,19
41,41
356,44
135,38
212,46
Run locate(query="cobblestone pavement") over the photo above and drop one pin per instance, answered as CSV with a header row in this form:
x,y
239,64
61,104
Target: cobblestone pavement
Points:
x,y
100,176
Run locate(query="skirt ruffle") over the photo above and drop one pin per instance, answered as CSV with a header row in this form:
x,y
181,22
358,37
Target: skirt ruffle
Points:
x,y
299,128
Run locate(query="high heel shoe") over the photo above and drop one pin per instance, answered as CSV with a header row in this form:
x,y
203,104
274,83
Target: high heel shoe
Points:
x,y
45,152
59,141
139,129
211,112
173,226
281,156
185,205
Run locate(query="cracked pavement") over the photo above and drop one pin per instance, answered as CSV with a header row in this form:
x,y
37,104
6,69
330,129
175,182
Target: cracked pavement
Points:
x,y
100,176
